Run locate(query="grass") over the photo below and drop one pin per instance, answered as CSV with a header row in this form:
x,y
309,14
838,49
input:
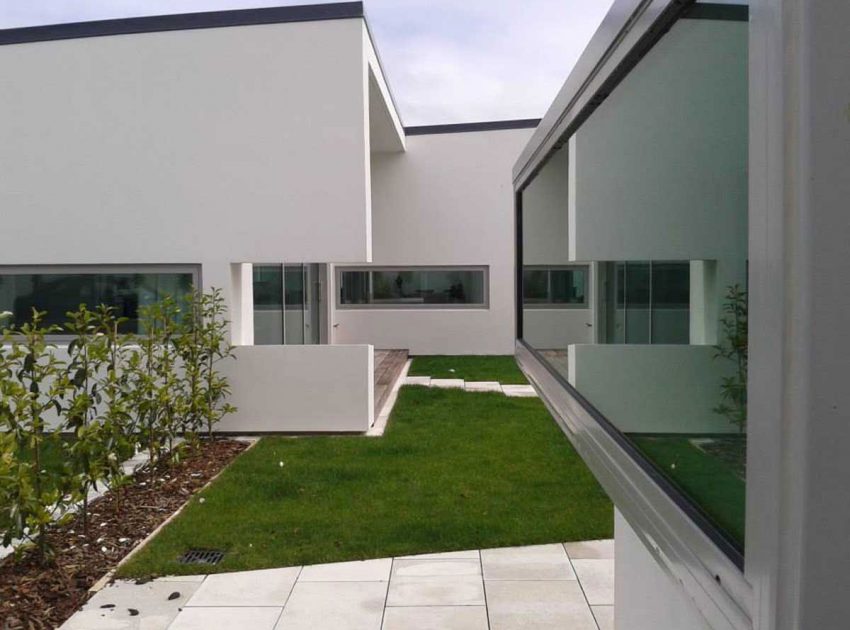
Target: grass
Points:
x,y
454,470
502,368
706,478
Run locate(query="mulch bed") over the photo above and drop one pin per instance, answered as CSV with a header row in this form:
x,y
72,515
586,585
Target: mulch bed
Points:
x,y
34,596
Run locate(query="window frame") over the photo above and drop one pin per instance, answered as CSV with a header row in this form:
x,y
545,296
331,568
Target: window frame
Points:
x,y
477,306
195,269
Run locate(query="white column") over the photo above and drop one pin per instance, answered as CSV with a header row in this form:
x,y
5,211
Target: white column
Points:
x,y
798,503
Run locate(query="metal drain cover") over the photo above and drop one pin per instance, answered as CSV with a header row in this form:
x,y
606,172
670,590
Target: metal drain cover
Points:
x,y
201,556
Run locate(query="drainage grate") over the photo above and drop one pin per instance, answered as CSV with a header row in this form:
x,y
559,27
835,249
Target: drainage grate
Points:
x,y
201,556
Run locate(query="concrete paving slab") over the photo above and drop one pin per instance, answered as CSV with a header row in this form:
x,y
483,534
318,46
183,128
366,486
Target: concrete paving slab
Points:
x,y
419,567
227,618
519,391
538,605
436,618
268,587
127,605
447,383
436,590
337,605
535,562
363,571
591,550
597,580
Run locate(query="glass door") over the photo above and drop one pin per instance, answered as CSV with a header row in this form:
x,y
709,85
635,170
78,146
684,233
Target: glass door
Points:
x,y
287,304
312,304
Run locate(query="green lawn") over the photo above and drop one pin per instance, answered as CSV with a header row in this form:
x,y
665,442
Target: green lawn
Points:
x,y
455,470
712,482
501,368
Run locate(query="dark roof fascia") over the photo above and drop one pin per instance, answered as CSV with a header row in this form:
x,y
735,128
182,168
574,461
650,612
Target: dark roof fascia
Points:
x,y
494,125
183,21
717,11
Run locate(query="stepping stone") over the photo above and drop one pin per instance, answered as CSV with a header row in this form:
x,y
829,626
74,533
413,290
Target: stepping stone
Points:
x,y
519,391
447,383
425,381
483,386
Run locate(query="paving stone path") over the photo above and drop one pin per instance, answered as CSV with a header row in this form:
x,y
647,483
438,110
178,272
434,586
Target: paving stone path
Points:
x,y
541,586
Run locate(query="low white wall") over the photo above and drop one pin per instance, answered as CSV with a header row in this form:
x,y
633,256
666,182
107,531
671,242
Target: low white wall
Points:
x,y
427,331
652,388
553,328
646,598
301,389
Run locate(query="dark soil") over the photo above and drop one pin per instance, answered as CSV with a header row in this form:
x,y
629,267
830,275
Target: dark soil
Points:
x,y
35,596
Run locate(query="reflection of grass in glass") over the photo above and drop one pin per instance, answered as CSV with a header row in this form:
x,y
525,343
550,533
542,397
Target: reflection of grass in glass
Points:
x,y
708,470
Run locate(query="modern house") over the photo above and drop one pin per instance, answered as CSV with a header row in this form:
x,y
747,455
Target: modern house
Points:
x,y
686,190
259,152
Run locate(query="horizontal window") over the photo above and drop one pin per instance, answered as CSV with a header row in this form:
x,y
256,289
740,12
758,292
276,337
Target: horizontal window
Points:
x,y
60,290
413,287
558,287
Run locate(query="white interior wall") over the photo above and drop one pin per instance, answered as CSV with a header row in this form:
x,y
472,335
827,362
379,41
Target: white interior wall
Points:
x,y
446,201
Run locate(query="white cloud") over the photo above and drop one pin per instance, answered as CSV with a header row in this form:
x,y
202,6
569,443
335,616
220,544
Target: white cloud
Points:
x,y
446,60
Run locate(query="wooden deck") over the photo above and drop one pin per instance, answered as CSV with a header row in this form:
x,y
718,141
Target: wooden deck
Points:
x,y
388,365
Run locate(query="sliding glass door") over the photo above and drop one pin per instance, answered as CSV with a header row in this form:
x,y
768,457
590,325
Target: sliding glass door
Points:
x,y
287,304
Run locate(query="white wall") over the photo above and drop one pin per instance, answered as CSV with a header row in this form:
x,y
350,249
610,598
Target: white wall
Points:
x,y
301,389
646,597
446,201
183,146
545,229
557,328
652,388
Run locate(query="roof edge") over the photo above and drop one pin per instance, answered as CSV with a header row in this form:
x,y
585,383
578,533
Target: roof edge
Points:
x,y
493,125
182,21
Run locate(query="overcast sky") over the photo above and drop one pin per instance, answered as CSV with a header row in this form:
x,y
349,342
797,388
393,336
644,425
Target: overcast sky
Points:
x,y
446,60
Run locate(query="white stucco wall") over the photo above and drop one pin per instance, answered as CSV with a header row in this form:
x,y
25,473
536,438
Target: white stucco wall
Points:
x,y
652,388
210,146
553,328
446,201
301,389
646,597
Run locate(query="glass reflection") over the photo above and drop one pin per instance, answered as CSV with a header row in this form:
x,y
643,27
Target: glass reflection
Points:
x,y
649,197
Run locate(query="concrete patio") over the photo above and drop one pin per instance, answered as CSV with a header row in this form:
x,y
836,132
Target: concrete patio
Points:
x,y
541,587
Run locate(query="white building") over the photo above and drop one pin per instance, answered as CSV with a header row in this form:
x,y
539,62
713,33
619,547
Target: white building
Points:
x,y
258,151
695,146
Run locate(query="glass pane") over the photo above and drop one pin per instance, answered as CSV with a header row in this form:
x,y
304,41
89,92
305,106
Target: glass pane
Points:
x,y
354,287
312,320
293,318
268,304
413,287
59,293
671,301
658,209
568,286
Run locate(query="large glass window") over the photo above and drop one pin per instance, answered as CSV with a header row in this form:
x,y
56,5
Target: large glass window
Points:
x,y
413,287
57,291
286,304
555,287
650,188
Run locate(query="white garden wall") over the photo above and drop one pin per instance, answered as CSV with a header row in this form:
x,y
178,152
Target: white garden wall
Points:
x,y
301,389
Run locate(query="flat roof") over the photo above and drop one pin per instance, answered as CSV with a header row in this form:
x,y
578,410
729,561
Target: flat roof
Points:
x,y
183,21
493,125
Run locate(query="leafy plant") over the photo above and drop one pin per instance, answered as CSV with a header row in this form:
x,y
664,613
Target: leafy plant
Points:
x,y
32,388
733,347
215,347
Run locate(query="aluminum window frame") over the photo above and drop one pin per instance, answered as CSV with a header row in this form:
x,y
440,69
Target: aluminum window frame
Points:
x,y
484,305
691,550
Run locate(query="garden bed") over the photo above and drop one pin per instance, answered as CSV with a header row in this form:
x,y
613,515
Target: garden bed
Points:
x,y
35,596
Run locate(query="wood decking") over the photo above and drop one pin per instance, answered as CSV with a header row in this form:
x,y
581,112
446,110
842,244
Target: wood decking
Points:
x,y
388,365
